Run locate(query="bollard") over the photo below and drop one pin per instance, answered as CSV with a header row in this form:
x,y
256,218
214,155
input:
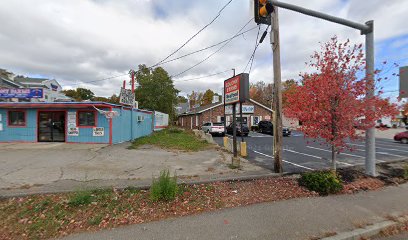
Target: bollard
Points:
x,y
226,142
244,149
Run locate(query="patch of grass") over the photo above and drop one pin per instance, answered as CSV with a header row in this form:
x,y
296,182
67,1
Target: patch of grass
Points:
x,y
233,166
172,138
323,182
165,188
80,198
406,171
96,220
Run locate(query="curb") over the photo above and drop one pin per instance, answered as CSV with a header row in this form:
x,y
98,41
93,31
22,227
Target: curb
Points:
x,y
368,231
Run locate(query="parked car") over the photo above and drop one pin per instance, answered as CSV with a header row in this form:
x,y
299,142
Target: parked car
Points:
x,y
214,128
401,137
267,127
245,129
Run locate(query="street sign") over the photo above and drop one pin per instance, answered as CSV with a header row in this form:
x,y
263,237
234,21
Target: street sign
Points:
x,y
403,82
236,89
21,93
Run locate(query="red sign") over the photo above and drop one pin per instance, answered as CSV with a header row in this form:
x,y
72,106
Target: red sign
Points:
x,y
231,87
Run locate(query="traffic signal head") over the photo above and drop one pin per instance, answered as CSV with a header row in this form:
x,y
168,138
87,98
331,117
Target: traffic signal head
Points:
x,y
262,10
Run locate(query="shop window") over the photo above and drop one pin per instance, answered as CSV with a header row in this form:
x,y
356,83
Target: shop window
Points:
x,y
255,120
86,119
17,118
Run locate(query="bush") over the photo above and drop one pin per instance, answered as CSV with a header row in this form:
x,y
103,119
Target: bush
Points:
x,y
323,182
174,130
165,188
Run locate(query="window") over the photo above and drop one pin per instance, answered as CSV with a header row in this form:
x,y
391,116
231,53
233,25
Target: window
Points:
x,y
16,118
86,119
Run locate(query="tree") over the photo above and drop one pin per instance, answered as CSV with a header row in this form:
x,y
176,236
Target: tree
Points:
x,y
181,99
195,99
79,94
207,97
261,92
330,101
156,91
287,88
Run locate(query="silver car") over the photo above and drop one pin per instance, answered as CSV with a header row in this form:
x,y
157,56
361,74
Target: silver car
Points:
x,y
213,128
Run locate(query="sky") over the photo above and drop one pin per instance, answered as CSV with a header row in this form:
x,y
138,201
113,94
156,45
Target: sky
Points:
x,y
79,42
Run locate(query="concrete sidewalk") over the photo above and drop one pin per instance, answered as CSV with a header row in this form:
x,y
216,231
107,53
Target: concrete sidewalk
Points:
x,y
292,219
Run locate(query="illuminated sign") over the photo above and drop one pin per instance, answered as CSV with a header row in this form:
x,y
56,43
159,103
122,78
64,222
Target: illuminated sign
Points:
x,y
236,89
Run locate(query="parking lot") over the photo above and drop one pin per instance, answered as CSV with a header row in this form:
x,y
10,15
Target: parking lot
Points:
x,y
302,154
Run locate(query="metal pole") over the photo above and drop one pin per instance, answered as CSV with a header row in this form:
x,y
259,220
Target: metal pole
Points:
x,y
242,122
370,133
277,97
234,130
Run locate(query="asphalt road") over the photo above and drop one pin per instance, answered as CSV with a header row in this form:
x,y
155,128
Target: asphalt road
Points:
x,y
301,154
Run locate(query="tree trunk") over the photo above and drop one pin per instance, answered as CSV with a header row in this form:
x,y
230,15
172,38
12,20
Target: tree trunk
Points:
x,y
334,155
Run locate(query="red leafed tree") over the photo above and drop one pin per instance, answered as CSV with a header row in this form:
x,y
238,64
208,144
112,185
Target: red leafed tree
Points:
x,y
331,101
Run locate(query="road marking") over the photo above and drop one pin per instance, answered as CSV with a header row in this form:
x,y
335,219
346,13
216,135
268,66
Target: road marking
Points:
x,y
347,164
352,155
395,155
390,149
297,165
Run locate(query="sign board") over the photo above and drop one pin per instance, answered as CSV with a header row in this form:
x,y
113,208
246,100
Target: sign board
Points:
x,y
21,93
71,119
403,82
127,97
73,131
246,109
236,89
98,132
1,126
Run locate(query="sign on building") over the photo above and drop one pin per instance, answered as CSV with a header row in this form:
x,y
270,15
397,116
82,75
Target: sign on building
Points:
x,y
246,109
73,131
403,79
236,89
21,93
98,132
127,97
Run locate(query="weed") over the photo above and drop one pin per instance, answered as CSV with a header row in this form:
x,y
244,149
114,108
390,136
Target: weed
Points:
x,y
95,220
406,171
165,188
80,198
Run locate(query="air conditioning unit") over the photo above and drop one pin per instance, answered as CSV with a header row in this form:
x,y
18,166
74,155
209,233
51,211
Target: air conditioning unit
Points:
x,y
140,118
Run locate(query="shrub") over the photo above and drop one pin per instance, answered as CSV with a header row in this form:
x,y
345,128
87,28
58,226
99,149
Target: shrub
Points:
x,y
323,182
80,198
174,130
165,188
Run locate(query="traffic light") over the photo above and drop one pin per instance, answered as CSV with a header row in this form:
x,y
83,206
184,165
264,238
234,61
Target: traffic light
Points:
x,y
263,9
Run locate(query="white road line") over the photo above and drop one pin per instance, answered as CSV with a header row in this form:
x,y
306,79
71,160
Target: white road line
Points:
x,y
297,165
389,149
347,154
395,155
347,164
361,150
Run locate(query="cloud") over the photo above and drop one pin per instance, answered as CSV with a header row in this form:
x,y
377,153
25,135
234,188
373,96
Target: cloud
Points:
x,y
76,41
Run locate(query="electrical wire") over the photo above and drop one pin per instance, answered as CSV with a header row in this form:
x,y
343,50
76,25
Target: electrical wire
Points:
x,y
190,79
256,46
191,38
251,59
212,54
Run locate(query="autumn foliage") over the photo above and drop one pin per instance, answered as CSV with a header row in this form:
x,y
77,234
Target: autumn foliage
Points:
x,y
330,102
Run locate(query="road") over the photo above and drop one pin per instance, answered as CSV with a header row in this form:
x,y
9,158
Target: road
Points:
x,y
301,154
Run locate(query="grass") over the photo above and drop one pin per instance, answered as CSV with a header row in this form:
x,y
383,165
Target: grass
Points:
x,y
406,171
172,138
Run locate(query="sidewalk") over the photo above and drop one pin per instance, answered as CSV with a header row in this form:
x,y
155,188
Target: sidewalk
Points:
x,y
292,219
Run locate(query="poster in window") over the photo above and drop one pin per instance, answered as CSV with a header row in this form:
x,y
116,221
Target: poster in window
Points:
x,y
1,126
98,132
73,131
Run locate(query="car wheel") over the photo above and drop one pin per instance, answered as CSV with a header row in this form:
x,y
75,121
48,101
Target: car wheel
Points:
x,y
404,140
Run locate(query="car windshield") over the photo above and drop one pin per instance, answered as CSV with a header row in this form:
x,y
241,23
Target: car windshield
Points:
x,y
218,124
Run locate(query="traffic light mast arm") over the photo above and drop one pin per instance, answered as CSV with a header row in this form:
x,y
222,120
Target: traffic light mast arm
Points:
x,y
364,28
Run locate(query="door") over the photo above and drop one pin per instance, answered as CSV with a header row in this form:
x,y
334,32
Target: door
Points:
x,y
51,126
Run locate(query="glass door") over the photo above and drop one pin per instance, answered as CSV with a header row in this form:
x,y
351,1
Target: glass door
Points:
x,y
51,126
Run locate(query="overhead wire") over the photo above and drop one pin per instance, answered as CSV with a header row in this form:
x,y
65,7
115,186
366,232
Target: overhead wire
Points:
x,y
212,54
190,79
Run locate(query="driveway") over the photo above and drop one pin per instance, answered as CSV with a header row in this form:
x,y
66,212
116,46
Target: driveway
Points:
x,y
44,167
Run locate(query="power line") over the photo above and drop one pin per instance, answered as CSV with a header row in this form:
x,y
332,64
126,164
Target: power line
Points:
x,y
251,59
190,79
206,48
212,54
256,46
191,38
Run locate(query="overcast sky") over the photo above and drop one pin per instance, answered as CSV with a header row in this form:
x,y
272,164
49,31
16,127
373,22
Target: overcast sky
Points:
x,y
77,41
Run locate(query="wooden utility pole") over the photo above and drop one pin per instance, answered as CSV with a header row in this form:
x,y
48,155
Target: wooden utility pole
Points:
x,y
277,94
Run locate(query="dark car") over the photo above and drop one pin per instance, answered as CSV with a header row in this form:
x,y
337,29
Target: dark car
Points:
x,y
267,127
401,137
245,129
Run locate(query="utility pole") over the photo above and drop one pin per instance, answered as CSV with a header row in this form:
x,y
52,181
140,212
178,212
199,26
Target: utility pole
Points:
x,y
277,96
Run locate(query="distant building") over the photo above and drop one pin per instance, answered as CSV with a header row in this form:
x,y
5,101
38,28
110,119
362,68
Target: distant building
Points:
x,y
51,89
